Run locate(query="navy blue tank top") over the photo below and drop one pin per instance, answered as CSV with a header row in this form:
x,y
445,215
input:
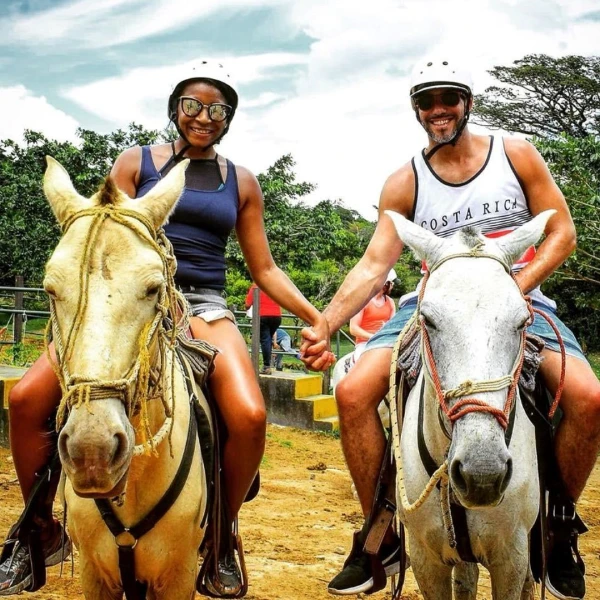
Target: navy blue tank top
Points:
x,y
199,227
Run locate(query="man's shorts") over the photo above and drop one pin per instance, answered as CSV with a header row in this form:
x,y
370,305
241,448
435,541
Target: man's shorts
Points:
x,y
386,337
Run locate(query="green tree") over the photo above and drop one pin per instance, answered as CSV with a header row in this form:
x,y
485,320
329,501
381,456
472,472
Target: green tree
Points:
x,y
558,101
29,230
544,96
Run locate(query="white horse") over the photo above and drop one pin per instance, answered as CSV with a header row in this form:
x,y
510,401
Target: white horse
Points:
x,y
465,402
125,414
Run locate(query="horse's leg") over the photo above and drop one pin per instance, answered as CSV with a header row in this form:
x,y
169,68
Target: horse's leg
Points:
x,y
509,574
94,586
434,578
528,592
464,582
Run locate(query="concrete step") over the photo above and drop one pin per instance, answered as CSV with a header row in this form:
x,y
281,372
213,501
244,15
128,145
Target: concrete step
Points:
x,y
323,405
329,424
9,377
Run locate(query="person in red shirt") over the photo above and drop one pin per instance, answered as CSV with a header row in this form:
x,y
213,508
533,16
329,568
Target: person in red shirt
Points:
x,y
270,320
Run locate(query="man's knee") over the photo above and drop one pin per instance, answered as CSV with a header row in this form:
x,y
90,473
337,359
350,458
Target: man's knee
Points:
x,y
354,397
585,410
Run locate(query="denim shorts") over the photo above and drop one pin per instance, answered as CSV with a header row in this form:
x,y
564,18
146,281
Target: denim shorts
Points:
x,y
207,304
386,337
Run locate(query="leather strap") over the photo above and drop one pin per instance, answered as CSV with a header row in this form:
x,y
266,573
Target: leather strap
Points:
x,y
126,537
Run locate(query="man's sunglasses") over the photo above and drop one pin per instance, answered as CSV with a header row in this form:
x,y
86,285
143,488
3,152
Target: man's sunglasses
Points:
x,y
216,111
426,100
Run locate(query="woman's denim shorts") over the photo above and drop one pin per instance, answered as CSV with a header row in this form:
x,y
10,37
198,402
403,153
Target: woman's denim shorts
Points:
x,y
386,337
207,304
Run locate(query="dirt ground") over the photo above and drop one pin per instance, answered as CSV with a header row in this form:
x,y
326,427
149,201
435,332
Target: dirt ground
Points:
x,y
298,531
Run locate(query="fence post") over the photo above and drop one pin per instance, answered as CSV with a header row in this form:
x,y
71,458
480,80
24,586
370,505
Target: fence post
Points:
x,y
18,323
255,328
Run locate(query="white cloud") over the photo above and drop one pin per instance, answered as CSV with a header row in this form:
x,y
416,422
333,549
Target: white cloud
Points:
x,y
22,110
341,107
107,23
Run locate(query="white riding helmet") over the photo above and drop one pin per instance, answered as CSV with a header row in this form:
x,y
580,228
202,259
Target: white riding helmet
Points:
x,y
391,276
429,74
213,72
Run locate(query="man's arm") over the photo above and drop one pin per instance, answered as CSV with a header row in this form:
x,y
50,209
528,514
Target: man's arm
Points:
x,y
368,276
542,193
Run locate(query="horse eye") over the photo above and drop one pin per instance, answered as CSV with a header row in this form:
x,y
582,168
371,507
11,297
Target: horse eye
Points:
x,y
152,291
428,322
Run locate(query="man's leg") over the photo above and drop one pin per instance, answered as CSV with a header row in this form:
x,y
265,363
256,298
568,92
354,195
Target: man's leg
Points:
x,y
576,446
363,441
578,436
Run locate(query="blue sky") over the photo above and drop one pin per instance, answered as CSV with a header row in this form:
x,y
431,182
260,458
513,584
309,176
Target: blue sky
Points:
x,y
326,80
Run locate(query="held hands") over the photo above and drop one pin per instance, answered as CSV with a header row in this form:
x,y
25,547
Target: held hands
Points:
x,y
314,350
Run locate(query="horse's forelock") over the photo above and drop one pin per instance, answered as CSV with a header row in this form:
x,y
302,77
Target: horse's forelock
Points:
x,y
108,193
470,236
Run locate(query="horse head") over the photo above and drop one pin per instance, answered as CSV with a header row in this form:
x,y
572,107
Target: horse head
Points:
x,y
110,286
472,317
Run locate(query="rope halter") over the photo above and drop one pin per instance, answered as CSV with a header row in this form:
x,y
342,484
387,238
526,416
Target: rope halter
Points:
x,y
469,387
137,386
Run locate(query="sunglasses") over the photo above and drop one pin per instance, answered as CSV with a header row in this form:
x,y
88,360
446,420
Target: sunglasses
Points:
x,y
427,100
216,111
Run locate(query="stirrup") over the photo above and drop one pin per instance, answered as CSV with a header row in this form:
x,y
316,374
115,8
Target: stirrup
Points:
x,y
209,571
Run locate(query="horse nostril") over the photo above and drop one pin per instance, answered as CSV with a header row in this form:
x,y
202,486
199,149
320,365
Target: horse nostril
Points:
x,y
121,448
507,476
63,446
457,477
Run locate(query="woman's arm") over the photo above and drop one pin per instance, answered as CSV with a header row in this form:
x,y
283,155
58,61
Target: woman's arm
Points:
x,y
250,230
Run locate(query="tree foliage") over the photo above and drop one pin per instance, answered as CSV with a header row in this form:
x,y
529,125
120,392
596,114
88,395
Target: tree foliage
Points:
x,y
29,229
558,100
544,96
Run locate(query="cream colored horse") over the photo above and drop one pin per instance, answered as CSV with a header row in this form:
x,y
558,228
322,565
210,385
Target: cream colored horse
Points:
x,y
124,431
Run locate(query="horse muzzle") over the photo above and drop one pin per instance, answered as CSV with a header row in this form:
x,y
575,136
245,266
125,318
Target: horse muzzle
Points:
x,y
96,446
480,481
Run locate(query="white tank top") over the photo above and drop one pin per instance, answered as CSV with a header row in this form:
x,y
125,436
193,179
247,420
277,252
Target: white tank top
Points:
x,y
492,200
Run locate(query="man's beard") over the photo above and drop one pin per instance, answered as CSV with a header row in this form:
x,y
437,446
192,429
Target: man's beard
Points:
x,y
443,139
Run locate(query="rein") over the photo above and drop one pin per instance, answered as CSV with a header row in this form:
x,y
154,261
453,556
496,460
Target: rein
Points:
x,y
137,387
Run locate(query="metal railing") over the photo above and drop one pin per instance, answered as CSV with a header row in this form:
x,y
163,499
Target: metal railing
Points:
x,y
20,314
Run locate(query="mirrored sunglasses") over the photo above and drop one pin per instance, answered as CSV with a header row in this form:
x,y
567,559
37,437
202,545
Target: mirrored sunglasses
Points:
x,y
216,112
426,100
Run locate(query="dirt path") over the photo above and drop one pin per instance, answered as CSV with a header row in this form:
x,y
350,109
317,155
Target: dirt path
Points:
x,y
298,530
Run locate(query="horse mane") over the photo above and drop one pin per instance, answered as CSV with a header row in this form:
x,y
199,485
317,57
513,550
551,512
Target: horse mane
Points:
x,y
471,236
108,193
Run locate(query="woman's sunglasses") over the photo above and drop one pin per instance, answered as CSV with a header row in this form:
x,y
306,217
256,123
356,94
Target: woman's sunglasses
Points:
x,y
216,111
426,101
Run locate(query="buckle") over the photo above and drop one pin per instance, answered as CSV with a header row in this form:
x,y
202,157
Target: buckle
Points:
x,y
125,539
564,516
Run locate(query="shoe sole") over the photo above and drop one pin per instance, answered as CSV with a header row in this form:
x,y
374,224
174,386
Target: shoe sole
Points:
x,y
50,561
557,594
390,570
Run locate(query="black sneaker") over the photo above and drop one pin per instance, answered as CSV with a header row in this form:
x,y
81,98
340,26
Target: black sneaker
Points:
x,y
565,576
15,571
356,576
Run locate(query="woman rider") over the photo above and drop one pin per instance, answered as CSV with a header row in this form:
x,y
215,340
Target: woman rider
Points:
x,y
217,198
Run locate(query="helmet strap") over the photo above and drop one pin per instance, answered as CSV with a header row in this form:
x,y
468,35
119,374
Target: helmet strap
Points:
x,y
175,157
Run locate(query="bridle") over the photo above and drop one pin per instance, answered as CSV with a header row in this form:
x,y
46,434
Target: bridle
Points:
x,y
468,387
139,384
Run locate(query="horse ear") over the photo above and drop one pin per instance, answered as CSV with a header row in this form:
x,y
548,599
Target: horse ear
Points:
x,y
62,196
159,202
426,245
516,242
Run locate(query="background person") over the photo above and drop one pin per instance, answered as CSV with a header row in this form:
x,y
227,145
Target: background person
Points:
x,y
369,320
270,320
283,341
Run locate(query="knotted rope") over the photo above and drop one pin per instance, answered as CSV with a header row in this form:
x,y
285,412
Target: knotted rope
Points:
x,y
136,388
